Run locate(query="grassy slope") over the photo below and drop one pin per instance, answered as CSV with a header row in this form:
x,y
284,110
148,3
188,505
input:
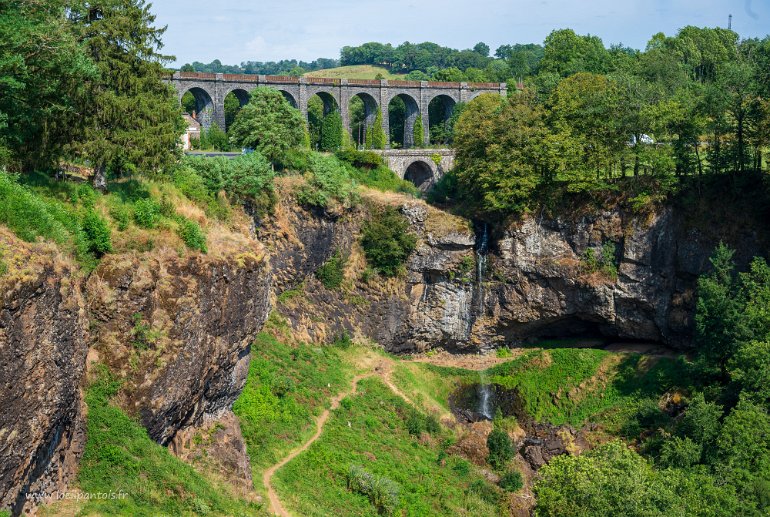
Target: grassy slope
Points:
x,y
354,72
287,387
429,386
119,456
369,429
574,385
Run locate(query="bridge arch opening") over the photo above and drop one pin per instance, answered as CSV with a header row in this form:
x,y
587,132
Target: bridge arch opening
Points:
x,y
198,105
234,101
363,113
289,98
440,119
324,122
421,174
403,111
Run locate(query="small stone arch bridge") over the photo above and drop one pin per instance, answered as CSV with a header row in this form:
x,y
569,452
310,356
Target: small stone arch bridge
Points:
x,y
423,167
210,91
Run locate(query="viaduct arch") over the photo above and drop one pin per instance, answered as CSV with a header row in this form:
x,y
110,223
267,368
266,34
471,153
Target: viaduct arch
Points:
x,y
210,90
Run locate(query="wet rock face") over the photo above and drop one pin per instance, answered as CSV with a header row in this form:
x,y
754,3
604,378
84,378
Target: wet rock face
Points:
x,y
178,330
42,357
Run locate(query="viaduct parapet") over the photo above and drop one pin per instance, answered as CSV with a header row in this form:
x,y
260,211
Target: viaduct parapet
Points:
x,y
210,91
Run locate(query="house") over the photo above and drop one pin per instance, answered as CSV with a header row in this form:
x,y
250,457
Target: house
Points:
x,y
192,132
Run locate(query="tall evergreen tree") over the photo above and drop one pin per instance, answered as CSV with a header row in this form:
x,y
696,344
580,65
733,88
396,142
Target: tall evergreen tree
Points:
x,y
132,118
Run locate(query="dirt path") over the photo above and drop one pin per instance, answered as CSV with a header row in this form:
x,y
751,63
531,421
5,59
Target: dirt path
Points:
x,y
383,371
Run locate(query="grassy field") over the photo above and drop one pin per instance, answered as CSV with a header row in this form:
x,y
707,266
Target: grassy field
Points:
x,y
120,457
430,386
287,387
371,430
575,385
355,72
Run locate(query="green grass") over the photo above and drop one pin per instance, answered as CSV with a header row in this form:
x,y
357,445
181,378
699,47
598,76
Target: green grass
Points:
x,y
354,72
428,385
286,388
370,429
120,456
561,385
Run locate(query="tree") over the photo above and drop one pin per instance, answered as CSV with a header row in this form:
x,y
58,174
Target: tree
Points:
x,y
567,53
482,49
132,118
717,313
418,132
502,152
331,132
375,135
43,73
269,124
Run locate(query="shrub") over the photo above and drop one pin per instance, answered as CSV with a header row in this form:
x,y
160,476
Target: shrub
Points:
x,y
121,214
97,233
500,448
192,235
147,213
332,272
511,481
604,262
381,491
329,180
246,177
485,491
415,424
387,241
432,424
360,159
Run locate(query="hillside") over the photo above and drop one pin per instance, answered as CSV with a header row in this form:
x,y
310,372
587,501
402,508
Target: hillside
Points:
x,y
355,72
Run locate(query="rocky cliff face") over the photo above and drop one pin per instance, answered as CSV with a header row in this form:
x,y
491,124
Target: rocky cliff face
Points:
x,y
42,361
175,329
616,273
178,330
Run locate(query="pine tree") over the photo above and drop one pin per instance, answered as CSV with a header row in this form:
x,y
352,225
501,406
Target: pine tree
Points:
x,y
377,133
418,133
331,132
132,119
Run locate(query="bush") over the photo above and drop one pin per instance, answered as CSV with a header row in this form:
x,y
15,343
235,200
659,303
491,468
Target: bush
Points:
x,y
511,481
192,235
121,214
147,213
500,448
332,272
485,491
381,491
432,424
360,159
387,241
97,232
329,180
415,424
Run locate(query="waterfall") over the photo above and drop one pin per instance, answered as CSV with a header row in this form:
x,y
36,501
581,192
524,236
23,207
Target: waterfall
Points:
x,y
485,396
482,247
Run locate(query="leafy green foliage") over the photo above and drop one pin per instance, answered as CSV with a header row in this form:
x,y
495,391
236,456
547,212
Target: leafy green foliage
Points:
x,y
192,235
268,124
328,181
332,272
120,456
418,132
213,138
147,213
613,480
97,233
511,481
331,132
605,262
500,447
381,491
387,241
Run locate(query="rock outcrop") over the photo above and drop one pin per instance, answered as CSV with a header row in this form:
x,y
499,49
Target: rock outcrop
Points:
x,y
616,274
178,330
42,358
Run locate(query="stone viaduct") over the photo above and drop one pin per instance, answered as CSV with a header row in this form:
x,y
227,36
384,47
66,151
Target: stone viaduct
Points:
x,y
423,167
210,90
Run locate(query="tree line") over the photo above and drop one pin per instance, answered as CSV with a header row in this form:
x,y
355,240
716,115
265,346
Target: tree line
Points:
x,y
692,104
283,67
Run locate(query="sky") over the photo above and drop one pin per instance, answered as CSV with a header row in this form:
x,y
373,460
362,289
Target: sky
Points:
x,y
234,31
